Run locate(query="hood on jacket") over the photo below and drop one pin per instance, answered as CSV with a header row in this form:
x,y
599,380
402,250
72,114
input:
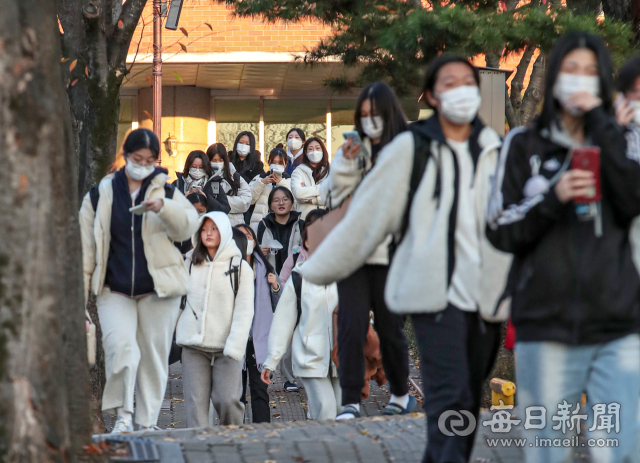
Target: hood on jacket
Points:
x,y
270,218
481,136
224,227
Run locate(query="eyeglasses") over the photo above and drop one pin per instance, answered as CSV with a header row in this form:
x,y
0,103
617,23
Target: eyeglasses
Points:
x,y
281,201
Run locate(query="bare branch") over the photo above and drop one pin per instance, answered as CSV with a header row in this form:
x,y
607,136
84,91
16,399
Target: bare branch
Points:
x,y
123,32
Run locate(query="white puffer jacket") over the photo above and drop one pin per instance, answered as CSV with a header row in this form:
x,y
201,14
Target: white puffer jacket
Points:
x,y
213,320
260,197
344,177
312,338
239,203
176,221
307,196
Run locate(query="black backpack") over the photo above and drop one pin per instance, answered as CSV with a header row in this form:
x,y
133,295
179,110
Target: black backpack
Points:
x,y
94,194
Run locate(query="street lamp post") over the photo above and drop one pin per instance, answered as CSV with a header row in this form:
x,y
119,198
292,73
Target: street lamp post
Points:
x,y
157,71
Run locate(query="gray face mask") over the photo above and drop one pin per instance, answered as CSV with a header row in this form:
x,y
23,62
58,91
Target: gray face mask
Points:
x,y
138,172
196,173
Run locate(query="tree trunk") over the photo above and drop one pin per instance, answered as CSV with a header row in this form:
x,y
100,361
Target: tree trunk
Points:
x,y
618,10
535,91
44,392
585,6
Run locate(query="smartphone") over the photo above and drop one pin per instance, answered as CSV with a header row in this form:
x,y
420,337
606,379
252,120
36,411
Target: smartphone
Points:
x,y
215,186
139,209
588,158
276,174
354,136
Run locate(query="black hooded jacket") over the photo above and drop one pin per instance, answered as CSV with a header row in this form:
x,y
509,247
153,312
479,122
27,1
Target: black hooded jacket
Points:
x,y
281,233
215,202
567,284
251,165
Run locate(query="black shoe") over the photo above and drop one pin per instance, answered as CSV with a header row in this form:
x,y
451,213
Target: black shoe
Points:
x,y
348,410
395,409
290,387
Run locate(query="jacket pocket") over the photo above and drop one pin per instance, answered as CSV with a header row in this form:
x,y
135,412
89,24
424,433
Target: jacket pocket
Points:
x,y
316,350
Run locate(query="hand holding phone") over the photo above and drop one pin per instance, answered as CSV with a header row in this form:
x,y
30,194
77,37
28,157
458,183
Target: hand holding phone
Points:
x,y
139,209
588,159
354,146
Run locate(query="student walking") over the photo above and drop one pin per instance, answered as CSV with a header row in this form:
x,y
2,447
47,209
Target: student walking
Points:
x,y
262,184
230,182
282,225
267,295
436,180
295,140
247,162
575,286
214,326
197,178
306,178
378,119
304,320
130,263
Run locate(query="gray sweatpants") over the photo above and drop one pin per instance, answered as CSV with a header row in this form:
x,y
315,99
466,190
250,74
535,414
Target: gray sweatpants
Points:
x,y
211,376
324,396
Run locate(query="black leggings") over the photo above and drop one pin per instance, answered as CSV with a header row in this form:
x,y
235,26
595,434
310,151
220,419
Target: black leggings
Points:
x,y
259,394
358,294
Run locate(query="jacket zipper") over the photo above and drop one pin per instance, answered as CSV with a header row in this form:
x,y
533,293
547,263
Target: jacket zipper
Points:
x,y
133,250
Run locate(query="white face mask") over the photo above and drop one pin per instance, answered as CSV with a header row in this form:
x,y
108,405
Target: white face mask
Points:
x,y
568,84
138,172
294,144
372,126
242,149
196,173
250,246
276,168
315,156
461,104
635,104
217,166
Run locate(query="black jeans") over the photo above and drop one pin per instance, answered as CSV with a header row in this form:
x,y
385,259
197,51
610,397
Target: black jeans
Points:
x,y
358,294
259,394
457,351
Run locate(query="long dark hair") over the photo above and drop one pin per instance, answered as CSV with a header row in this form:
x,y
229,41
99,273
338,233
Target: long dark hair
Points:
x,y
278,152
220,150
287,193
322,169
385,104
206,163
200,251
139,139
241,242
257,251
567,43
252,158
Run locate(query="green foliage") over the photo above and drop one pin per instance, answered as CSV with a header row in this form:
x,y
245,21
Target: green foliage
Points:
x,y
393,41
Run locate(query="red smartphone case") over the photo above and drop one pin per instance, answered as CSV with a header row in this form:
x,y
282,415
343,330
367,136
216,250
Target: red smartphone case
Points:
x,y
588,158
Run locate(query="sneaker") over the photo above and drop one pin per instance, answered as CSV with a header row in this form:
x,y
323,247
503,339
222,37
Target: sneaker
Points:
x,y
150,428
395,409
290,387
346,411
121,426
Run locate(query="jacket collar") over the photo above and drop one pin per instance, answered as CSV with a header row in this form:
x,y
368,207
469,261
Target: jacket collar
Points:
x,y
271,218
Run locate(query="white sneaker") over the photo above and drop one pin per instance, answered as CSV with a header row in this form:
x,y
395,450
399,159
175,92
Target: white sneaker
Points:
x,y
150,428
122,425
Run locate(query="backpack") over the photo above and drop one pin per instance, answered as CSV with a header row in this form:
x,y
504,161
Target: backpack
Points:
x,y
420,157
297,284
94,194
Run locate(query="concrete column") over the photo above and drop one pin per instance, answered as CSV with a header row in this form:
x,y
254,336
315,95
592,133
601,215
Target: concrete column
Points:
x,y
212,131
261,128
328,142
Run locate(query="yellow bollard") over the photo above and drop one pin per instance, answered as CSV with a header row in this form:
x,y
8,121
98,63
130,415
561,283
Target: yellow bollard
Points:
x,y
503,393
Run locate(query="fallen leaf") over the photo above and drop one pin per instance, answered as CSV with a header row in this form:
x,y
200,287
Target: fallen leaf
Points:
x,y
351,435
148,114
283,401
364,432
149,81
74,82
239,436
184,31
209,26
277,415
92,449
382,8
299,459
64,60
179,77
86,70
271,461
73,65
120,24
184,47
272,434
169,439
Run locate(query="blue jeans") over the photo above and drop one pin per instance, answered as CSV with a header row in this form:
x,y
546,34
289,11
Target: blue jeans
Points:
x,y
549,373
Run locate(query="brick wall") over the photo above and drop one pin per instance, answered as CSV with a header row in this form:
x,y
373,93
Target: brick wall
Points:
x,y
229,34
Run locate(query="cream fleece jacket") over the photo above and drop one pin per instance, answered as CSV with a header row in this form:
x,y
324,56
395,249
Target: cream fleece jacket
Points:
x,y
308,195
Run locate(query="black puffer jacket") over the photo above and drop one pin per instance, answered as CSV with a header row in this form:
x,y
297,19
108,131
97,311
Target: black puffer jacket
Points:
x,y
215,202
567,285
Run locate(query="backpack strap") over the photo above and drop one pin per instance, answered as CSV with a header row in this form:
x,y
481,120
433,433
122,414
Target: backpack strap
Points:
x,y
420,157
94,196
261,228
297,284
296,255
234,276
